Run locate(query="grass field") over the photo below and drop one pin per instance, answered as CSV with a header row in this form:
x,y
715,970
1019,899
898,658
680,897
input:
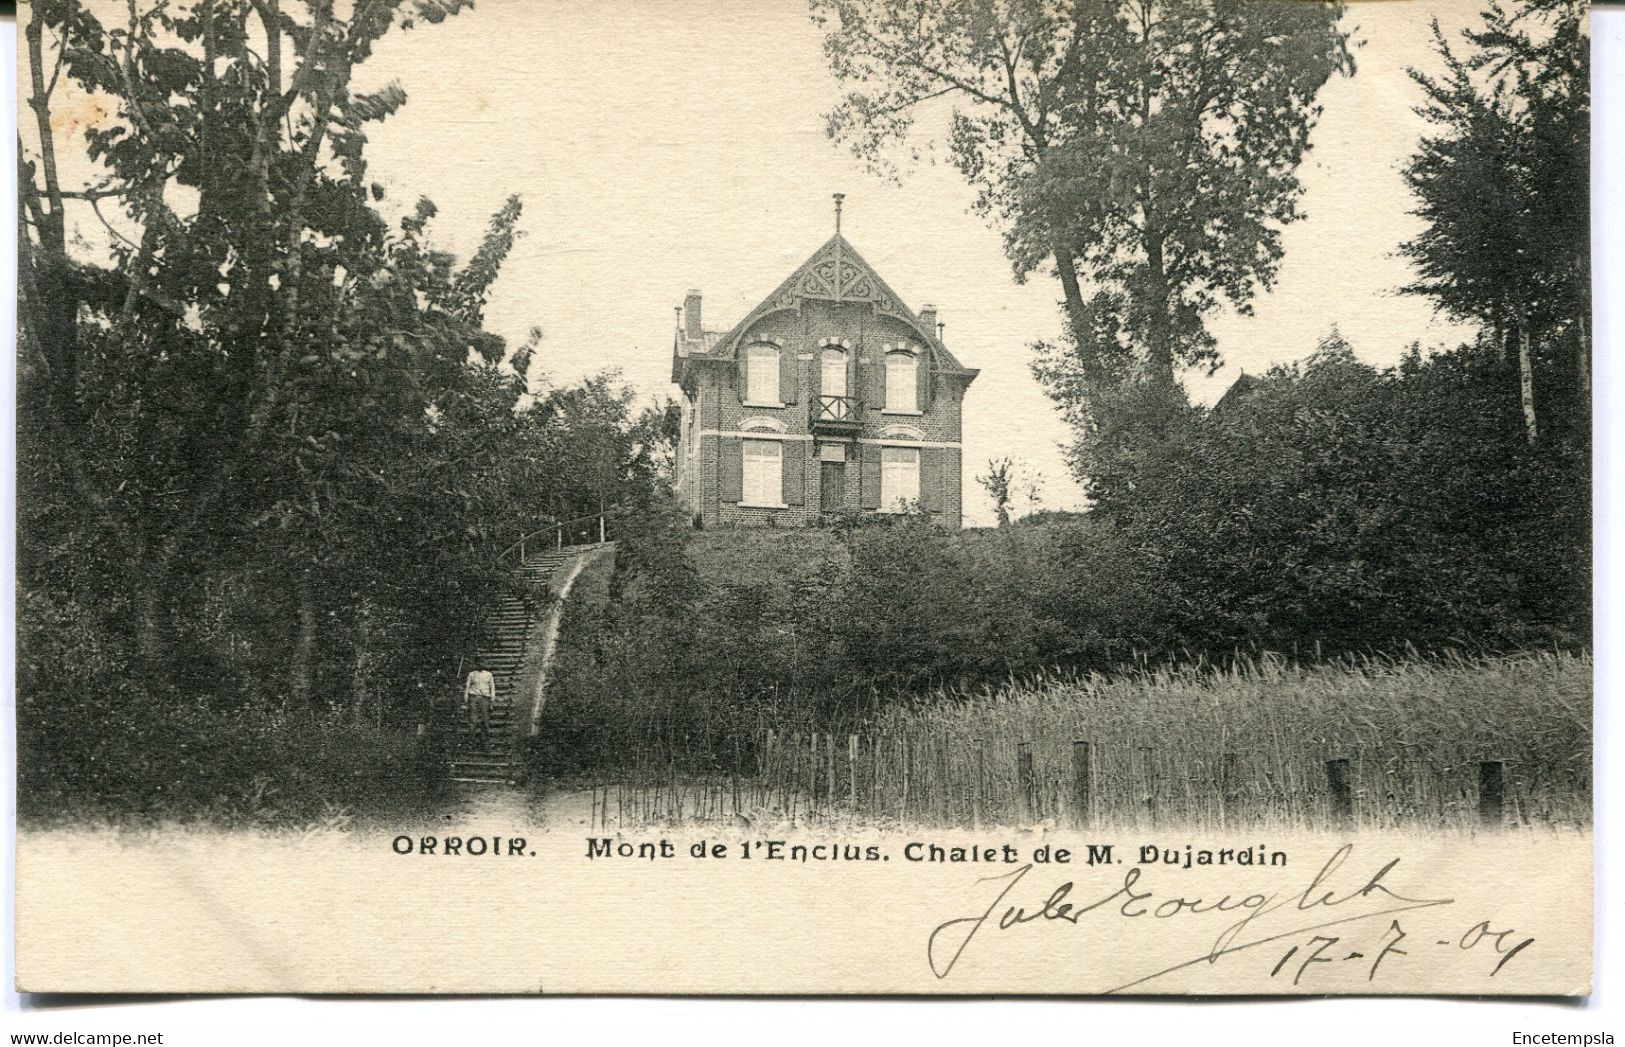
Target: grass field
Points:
x,y
1247,745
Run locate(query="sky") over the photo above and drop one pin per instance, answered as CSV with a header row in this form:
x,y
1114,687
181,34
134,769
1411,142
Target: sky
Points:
x,y
662,145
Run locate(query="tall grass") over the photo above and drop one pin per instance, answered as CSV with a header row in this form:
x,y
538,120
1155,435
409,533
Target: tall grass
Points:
x,y
1241,745
1413,731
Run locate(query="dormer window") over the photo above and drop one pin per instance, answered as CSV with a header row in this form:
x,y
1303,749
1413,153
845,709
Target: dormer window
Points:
x,y
902,381
762,374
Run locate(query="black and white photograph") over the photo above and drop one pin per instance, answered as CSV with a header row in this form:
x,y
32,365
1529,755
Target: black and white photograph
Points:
x,y
959,482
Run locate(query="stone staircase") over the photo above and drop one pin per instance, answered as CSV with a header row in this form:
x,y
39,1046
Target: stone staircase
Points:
x,y
508,633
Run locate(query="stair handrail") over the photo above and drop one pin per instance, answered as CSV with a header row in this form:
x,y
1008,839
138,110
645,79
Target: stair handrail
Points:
x,y
555,528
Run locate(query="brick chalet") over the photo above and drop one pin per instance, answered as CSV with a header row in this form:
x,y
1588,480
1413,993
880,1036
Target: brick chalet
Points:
x,y
829,396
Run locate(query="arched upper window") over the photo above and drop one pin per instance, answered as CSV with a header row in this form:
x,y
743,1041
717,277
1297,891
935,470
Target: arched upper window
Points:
x,y
902,381
762,374
832,371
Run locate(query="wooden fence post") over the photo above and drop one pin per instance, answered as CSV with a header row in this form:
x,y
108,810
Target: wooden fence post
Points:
x,y
812,769
1148,773
1082,801
792,766
829,751
1227,788
1024,777
1491,792
874,774
906,769
733,771
1337,780
978,786
852,770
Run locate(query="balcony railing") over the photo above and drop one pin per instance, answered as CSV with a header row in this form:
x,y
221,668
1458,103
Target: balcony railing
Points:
x,y
837,410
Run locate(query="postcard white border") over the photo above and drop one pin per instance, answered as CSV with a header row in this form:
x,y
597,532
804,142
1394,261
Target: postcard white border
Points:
x,y
679,1022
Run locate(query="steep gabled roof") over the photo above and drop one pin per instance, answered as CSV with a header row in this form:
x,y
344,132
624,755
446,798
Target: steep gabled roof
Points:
x,y
683,348
836,273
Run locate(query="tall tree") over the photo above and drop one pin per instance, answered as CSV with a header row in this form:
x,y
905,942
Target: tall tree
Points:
x,y
1502,184
1147,149
220,396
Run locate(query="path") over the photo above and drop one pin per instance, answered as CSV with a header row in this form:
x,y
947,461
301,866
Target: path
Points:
x,y
517,647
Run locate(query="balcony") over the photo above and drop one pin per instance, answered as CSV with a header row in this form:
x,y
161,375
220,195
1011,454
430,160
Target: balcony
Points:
x,y
837,415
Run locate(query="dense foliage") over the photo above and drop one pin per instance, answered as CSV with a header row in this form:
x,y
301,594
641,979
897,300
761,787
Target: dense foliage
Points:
x,y
267,450
1148,150
1318,512
1502,178
1327,505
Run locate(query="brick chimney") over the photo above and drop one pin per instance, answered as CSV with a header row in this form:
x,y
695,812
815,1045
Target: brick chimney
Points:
x,y
691,315
928,319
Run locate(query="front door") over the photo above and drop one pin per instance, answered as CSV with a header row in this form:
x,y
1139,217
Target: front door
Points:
x,y
832,486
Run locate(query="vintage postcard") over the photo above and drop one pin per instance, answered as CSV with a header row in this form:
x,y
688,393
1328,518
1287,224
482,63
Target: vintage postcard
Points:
x,y
767,497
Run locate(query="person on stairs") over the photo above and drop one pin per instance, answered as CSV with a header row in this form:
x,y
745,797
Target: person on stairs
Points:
x,y
478,693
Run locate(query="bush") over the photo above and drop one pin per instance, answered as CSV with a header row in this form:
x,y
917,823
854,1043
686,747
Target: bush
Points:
x,y
120,754
1320,512
1329,507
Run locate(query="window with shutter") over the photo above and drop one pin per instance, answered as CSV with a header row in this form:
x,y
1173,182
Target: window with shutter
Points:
x,y
730,470
899,477
869,476
789,381
761,376
931,480
873,378
832,374
902,381
763,465
794,454
922,372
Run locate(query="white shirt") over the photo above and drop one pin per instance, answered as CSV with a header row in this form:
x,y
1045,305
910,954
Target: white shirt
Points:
x,y
480,682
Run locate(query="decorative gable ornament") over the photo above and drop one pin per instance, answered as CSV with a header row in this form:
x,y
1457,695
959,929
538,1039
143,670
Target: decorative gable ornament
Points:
x,y
837,274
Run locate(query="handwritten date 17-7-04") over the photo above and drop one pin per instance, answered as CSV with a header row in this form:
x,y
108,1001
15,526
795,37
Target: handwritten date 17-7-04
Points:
x,y
1481,938
1298,922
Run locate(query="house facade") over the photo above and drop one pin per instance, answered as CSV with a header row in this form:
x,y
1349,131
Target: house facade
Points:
x,y
831,396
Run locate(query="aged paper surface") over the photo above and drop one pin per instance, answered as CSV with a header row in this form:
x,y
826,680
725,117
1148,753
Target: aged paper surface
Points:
x,y
449,598
241,912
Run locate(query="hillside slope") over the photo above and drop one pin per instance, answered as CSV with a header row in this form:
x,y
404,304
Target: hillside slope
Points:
x,y
770,557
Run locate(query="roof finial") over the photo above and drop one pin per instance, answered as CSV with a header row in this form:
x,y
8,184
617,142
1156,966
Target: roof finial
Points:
x,y
838,198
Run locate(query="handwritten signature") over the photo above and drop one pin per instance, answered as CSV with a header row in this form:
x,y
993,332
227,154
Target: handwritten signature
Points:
x,y
1327,899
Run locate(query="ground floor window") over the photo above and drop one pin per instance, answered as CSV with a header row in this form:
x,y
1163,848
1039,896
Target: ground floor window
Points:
x,y
899,476
764,471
